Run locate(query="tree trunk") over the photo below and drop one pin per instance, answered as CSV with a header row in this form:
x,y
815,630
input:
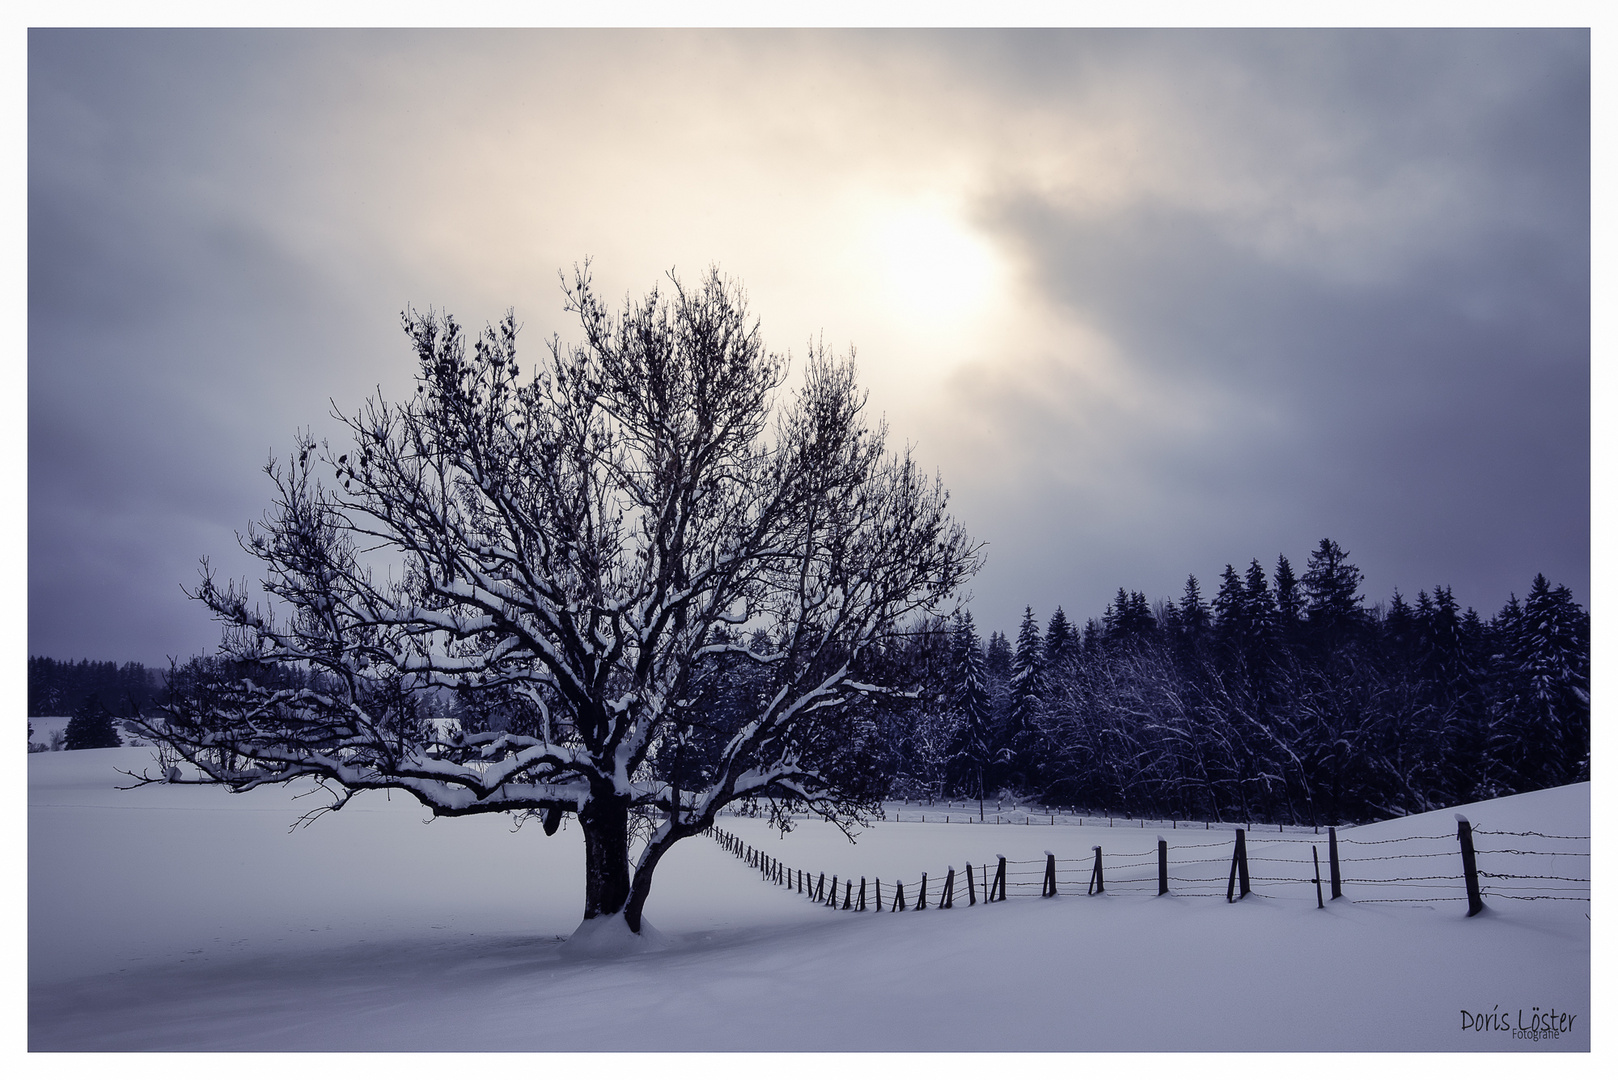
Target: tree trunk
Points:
x,y
642,884
605,821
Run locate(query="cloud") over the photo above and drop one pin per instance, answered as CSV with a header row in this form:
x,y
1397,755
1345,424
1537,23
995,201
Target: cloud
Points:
x,y
1252,288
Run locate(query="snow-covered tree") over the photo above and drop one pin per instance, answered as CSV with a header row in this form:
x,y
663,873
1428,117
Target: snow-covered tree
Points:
x,y
1548,675
592,549
971,751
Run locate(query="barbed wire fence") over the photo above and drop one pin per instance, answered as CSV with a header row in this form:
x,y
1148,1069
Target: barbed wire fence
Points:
x,y
1428,869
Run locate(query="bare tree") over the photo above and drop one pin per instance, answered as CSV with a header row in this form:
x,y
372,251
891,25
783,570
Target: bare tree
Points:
x,y
593,550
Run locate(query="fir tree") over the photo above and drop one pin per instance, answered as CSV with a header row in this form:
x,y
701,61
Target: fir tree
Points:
x,y
1060,641
91,727
970,753
1550,660
1027,691
1288,603
1331,589
1230,607
1193,611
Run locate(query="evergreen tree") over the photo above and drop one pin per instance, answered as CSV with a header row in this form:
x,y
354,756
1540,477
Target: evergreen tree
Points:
x,y
970,753
1094,634
1027,690
1399,630
1331,590
1260,607
1027,670
997,658
1230,608
91,727
1288,602
1551,665
1061,643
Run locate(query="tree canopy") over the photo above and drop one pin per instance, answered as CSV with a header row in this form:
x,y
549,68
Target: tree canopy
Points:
x,y
655,577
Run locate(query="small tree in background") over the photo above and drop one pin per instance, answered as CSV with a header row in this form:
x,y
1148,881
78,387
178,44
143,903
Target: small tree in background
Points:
x,y
90,727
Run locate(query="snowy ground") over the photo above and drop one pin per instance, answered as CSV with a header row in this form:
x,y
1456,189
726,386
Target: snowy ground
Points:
x,y
191,919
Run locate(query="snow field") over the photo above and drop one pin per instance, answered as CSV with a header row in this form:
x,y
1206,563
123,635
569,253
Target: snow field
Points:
x,y
188,918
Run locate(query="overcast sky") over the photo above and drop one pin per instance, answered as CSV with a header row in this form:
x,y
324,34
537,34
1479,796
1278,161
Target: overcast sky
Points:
x,y
1150,302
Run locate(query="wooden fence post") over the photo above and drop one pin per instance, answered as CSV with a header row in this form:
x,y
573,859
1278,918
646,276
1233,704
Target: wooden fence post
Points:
x,y
1098,883
848,894
820,893
999,884
862,895
832,902
1162,866
1238,868
971,889
921,900
948,899
1331,855
1049,887
1469,865
1319,901
899,896
879,894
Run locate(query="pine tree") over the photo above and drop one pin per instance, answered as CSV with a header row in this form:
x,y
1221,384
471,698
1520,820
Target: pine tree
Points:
x,y
91,727
1399,630
970,753
1230,607
997,658
1061,643
1551,662
1288,603
1193,611
1027,693
1331,589
1261,610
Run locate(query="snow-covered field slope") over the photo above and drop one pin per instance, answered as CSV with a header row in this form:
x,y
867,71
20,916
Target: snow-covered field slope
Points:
x,y
188,918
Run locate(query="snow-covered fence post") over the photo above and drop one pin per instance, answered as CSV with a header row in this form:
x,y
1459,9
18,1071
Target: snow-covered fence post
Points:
x,y
879,894
1238,868
1048,888
832,903
899,896
1319,899
1469,865
971,889
848,893
1331,855
1098,882
862,895
999,883
820,890
921,900
1162,866
948,899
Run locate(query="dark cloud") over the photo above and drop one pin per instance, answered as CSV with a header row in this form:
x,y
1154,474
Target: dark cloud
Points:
x,y
1425,401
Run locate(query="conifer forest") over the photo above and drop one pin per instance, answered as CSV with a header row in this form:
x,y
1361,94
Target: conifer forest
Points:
x,y
1280,697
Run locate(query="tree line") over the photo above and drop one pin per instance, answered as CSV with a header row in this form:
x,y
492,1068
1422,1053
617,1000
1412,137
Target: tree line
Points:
x,y
1282,698
63,687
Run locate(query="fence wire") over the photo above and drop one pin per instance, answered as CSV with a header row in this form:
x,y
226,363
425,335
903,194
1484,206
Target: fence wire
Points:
x,y
991,880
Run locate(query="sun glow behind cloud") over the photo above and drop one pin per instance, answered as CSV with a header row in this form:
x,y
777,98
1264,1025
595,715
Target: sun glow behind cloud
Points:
x,y
936,271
